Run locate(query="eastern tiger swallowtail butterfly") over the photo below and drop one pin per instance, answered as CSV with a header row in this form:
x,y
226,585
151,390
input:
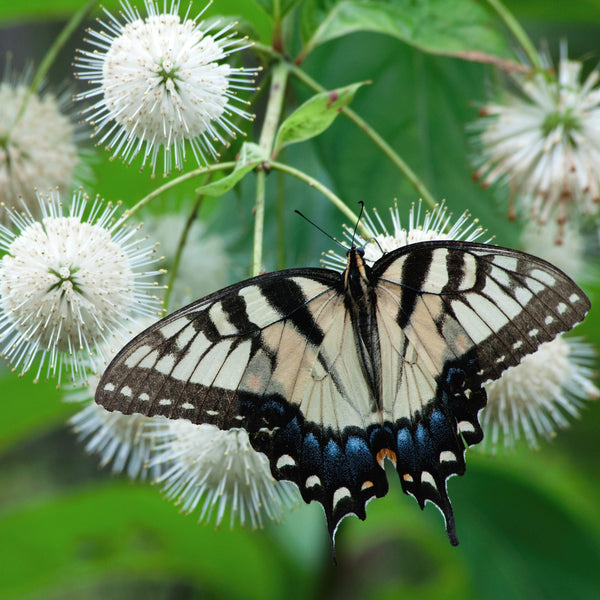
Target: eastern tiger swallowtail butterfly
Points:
x,y
332,373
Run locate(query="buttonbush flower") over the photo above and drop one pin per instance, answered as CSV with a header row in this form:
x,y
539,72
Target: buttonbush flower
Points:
x,y
68,281
537,396
543,141
37,144
160,81
203,465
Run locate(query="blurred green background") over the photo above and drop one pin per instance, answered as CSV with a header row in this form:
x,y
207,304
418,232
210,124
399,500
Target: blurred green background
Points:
x,y
528,521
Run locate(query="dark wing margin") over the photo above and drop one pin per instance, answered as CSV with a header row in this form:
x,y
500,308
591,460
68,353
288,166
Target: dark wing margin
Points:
x,y
468,311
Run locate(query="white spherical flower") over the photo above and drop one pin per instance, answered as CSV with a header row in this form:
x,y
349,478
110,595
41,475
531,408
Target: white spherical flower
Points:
x,y
67,282
37,144
538,395
423,225
544,141
202,464
161,82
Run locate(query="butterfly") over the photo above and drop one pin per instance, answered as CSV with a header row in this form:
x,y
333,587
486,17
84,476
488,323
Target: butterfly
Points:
x,y
333,374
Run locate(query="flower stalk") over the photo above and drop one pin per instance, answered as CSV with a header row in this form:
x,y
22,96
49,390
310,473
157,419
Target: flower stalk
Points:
x,y
267,138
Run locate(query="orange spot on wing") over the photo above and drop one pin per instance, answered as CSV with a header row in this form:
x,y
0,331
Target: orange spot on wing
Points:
x,y
385,453
366,485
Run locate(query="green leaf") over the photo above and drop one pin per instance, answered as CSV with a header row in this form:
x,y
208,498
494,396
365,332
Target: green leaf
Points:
x,y
251,155
315,115
454,27
131,532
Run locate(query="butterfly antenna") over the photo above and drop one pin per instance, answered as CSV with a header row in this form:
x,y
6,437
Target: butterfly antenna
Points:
x,y
362,209
321,230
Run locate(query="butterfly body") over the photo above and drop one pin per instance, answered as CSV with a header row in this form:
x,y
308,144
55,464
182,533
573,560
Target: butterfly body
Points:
x,y
333,374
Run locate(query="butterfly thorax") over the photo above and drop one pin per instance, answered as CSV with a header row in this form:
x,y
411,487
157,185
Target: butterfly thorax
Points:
x,y
360,301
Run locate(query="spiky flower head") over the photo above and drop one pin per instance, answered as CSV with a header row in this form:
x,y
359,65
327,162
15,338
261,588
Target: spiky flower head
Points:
x,y
543,141
160,81
423,225
219,470
37,142
537,396
68,281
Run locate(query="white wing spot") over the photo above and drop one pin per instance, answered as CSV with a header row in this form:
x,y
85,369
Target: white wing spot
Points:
x,y
447,456
187,406
164,402
126,391
517,344
138,356
165,364
285,460
212,413
549,319
312,481
574,298
506,262
238,418
339,495
144,397
533,332
561,308
500,359
427,477
523,295
109,387
466,427
543,276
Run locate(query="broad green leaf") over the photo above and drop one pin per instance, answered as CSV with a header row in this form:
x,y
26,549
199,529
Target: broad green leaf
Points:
x,y
455,27
131,532
251,155
315,115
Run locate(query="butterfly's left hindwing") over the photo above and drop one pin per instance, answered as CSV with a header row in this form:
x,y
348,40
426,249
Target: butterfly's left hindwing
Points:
x,y
331,378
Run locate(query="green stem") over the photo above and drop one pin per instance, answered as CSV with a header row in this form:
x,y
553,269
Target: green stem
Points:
x,y
330,195
416,182
280,204
517,30
279,75
50,57
277,39
175,182
182,241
